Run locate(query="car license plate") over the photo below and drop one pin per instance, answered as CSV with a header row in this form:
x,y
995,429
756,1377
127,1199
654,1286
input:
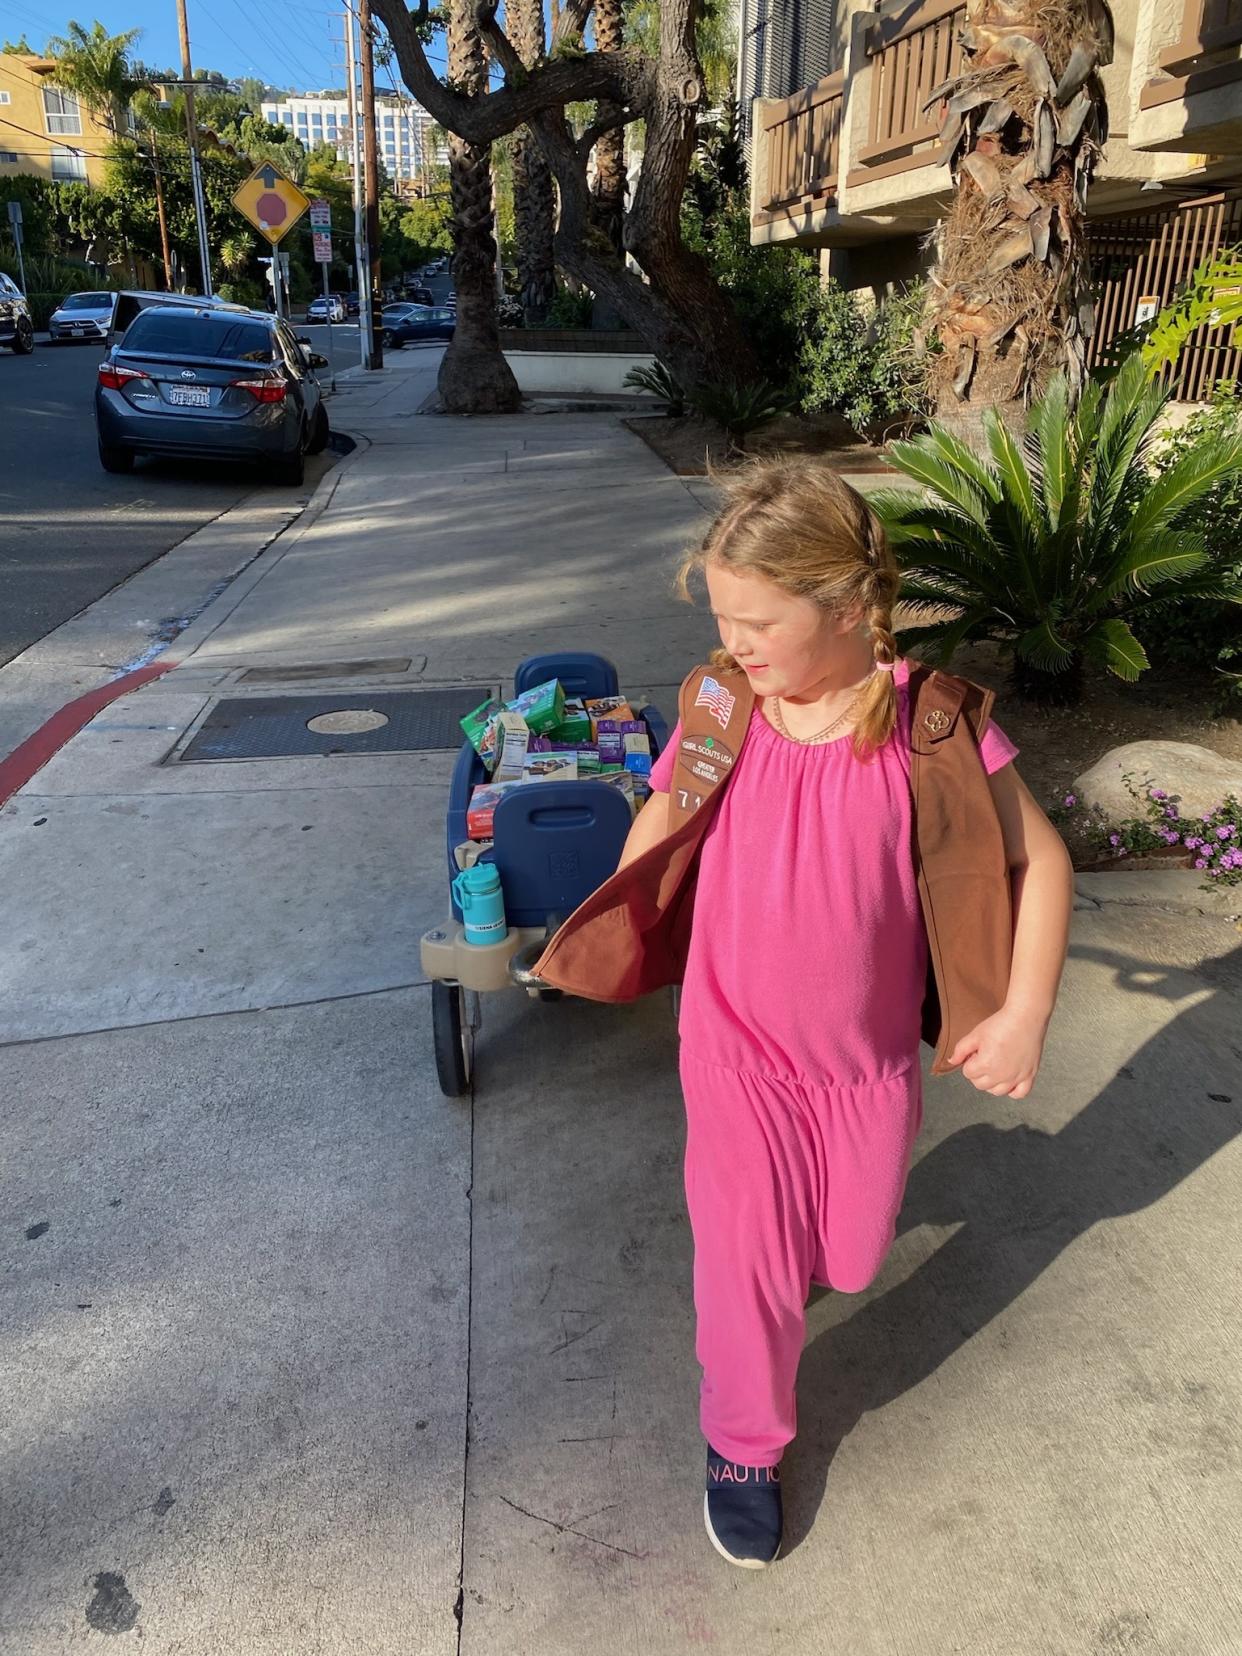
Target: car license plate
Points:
x,y
190,396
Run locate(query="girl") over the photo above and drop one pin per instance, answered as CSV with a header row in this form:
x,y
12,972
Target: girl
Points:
x,y
807,963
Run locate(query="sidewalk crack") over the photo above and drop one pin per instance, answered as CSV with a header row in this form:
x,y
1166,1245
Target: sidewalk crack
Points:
x,y
459,1606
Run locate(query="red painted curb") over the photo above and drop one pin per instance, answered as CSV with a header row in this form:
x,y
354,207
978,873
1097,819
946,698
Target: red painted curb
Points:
x,y
37,749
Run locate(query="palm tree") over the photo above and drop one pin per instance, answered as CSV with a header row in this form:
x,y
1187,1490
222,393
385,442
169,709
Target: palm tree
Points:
x,y
1052,548
1024,123
534,199
96,67
608,205
474,377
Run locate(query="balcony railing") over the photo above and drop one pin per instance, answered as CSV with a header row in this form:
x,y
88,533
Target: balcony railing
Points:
x,y
804,145
908,54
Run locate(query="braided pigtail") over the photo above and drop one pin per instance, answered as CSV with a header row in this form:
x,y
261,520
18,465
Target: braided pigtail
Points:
x,y
877,715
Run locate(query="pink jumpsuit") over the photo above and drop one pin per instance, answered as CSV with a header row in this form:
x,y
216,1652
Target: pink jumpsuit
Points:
x,y
800,1066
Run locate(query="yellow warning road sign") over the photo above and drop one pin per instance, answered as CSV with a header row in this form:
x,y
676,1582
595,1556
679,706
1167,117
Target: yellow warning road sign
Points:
x,y
272,202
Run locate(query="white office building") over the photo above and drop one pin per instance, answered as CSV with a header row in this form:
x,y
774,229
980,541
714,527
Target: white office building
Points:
x,y
403,130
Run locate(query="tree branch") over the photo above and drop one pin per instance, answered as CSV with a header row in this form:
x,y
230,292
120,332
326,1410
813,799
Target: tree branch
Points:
x,y
527,94
594,133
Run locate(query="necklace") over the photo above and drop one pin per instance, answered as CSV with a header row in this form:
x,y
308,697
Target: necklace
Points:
x,y
820,735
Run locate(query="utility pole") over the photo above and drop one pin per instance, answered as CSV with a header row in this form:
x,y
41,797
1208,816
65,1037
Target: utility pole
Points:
x,y
374,274
191,130
363,277
159,209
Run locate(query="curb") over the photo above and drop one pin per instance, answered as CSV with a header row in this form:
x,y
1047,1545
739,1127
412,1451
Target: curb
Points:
x,y
43,744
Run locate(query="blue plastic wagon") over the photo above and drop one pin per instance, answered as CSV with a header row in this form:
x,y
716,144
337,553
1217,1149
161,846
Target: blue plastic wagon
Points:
x,y
554,844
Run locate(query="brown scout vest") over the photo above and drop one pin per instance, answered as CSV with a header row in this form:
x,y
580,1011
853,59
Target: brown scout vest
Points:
x,y
632,934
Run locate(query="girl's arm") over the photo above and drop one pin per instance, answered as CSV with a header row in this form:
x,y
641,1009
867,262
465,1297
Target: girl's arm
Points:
x,y
1002,1054
650,826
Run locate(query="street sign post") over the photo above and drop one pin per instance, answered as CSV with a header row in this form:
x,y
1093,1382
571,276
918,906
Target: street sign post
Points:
x,y
321,235
272,202
15,224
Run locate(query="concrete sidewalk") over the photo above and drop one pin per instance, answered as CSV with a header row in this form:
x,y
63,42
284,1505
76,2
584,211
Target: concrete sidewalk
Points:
x,y
298,1356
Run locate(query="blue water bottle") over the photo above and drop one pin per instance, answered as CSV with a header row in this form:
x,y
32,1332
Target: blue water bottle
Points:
x,y
482,904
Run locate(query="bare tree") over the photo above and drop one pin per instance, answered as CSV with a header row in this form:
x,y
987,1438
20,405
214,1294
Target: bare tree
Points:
x,y
681,314
534,197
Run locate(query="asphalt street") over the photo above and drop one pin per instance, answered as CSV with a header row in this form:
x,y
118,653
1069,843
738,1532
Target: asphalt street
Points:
x,y
69,532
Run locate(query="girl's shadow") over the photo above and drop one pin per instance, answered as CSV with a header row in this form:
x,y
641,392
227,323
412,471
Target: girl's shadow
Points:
x,y
1020,1196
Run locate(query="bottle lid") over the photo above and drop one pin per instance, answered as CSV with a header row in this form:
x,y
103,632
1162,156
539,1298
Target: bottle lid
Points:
x,y
481,879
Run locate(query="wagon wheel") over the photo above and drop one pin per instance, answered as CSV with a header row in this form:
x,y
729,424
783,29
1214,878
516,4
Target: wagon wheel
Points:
x,y
454,1019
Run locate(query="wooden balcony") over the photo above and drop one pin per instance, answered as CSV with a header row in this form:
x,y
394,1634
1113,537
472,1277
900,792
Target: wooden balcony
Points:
x,y
908,54
801,150
1200,72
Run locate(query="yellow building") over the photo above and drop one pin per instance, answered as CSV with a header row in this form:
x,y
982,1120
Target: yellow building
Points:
x,y
43,130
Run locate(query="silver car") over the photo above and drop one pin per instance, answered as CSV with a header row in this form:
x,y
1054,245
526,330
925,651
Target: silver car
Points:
x,y
81,316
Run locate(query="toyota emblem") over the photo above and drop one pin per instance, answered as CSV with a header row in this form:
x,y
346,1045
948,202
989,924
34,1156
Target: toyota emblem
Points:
x,y
188,373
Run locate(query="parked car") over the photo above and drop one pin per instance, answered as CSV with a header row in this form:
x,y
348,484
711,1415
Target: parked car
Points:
x,y
213,383
81,316
418,293
394,313
424,322
331,309
352,305
16,328
451,300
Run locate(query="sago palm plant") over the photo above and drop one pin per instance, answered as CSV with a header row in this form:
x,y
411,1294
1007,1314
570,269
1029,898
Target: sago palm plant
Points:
x,y
1050,547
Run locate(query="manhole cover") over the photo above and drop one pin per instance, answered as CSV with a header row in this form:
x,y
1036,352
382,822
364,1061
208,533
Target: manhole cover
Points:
x,y
347,724
283,727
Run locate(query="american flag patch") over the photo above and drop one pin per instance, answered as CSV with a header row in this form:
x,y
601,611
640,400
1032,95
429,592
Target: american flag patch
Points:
x,y
717,700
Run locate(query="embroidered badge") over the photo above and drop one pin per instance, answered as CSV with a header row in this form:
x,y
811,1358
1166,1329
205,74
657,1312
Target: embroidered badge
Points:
x,y
717,700
936,721
707,760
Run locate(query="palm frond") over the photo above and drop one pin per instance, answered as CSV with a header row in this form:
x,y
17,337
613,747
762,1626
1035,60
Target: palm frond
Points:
x,y
926,466
1150,561
1044,648
1199,470
1114,646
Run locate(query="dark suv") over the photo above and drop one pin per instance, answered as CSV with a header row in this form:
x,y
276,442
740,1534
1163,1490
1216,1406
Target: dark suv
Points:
x,y
214,383
16,328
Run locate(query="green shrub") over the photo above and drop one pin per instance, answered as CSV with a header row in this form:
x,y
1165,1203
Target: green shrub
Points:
x,y
741,407
569,309
659,381
1053,548
1205,636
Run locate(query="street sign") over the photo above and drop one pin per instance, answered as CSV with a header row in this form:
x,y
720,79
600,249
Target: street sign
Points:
x,y
272,202
321,214
323,247
15,212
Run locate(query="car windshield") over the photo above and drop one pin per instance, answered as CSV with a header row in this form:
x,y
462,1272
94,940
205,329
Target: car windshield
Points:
x,y
87,301
187,333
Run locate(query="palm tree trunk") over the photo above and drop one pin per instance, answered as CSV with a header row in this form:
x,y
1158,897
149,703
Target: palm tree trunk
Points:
x,y
1024,123
534,199
608,210
474,377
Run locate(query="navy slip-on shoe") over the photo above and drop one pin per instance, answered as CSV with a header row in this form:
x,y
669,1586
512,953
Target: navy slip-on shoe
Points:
x,y
742,1510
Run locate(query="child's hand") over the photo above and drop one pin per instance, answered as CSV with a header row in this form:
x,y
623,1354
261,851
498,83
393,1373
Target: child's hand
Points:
x,y
1001,1055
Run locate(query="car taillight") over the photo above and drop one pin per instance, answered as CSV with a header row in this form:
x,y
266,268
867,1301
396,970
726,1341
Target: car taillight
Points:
x,y
114,377
262,390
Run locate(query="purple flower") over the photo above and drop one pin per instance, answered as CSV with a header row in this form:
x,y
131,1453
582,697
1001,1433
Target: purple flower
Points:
x,y
1158,793
1170,811
1071,799
1200,862
1114,839
1192,842
1169,836
1227,832
1122,851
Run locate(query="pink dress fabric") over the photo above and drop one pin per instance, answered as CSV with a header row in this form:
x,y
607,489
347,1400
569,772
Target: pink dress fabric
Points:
x,y
799,1028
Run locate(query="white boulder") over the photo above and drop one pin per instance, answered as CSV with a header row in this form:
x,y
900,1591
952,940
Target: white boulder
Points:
x,y
1200,777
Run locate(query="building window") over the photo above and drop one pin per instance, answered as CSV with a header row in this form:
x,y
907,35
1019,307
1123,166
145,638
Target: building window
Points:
x,y
61,111
8,158
68,166
287,117
6,97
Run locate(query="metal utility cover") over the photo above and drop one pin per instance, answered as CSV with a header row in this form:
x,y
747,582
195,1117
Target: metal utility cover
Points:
x,y
276,727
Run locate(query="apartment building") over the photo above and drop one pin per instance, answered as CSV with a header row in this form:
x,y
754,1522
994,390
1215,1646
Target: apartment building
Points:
x,y
405,134
846,158
44,131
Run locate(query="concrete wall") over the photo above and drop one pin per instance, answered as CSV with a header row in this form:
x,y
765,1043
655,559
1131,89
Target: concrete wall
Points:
x,y
559,372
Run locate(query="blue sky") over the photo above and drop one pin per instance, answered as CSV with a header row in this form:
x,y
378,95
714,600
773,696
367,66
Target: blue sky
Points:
x,y
283,42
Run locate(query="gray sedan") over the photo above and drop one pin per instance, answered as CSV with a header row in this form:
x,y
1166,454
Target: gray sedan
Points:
x,y
223,383
81,316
